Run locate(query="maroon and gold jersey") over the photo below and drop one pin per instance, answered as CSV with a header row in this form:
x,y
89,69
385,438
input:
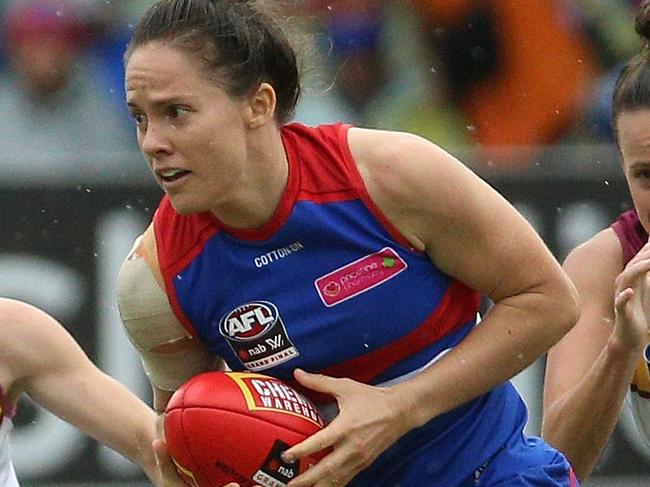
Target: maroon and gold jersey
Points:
x,y
633,237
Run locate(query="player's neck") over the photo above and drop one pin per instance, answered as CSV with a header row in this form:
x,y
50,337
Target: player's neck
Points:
x,y
262,187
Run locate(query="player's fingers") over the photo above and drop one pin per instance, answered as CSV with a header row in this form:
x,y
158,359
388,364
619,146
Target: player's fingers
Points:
x,y
622,298
159,450
333,470
313,444
317,382
631,275
168,471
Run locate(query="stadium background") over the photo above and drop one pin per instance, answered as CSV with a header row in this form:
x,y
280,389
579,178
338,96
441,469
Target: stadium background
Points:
x,y
69,219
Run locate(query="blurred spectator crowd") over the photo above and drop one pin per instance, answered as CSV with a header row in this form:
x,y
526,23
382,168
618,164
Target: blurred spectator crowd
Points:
x,y
509,76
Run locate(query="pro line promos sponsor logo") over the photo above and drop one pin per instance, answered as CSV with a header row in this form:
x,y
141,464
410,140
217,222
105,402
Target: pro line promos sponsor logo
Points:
x,y
359,276
257,335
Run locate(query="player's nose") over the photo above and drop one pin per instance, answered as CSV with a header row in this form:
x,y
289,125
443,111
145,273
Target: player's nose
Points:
x,y
154,142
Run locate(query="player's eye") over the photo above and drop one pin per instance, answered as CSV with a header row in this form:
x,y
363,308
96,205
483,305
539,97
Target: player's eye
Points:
x,y
140,118
176,112
643,173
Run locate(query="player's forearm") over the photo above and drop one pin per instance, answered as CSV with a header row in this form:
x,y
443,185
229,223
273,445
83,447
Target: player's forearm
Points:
x,y
135,429
580,422
102,408
147,462
515,332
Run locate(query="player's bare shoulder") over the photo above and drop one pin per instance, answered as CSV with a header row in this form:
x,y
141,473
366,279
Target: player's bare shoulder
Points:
x,y
408,178
404,167
594,265
602,254
391,160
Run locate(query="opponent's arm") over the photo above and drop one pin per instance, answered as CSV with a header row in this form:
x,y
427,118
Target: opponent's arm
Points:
x,y
45,362
474,235
170,354
588,372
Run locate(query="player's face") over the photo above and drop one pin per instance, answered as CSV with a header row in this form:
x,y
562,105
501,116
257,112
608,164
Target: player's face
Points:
x,y
634,141
191,132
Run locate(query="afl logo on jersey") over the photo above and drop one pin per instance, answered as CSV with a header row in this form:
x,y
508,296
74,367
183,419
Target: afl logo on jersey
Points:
x,y
257,335
249,321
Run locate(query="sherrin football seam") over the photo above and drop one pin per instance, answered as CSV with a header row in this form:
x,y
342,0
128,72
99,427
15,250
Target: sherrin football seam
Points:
x,y
265,420
188,448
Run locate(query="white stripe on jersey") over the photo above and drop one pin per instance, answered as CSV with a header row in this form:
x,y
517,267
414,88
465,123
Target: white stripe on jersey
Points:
x,y
330,410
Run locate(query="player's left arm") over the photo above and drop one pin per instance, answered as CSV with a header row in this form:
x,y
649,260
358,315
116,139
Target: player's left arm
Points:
x,y
49,366
473,234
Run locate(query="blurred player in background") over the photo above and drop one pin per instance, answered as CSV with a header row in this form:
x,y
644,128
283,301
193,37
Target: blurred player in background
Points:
x,y
39,358
357,254
61,120
607,355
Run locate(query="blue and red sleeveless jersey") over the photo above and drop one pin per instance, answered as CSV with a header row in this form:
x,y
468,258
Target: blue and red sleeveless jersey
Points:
x,y
329,285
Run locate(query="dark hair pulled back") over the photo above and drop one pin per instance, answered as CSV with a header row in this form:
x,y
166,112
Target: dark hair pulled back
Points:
x,y
632,89
237,39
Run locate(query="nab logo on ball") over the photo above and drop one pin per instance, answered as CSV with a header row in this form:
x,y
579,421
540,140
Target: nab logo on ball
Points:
x,y
275,472
257,335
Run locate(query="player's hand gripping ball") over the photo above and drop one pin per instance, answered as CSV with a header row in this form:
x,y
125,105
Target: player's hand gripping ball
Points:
x,y
225,427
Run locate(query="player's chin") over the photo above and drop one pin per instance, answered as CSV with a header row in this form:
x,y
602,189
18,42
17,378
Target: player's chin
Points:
x,y
184,203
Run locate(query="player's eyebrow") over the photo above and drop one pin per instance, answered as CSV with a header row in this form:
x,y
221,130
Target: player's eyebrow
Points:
x,y
640,164
163,101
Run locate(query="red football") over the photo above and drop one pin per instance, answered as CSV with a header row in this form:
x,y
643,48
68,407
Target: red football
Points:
x,y
225,427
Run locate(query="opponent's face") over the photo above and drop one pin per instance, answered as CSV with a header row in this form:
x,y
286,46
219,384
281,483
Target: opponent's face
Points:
x,y
191,132
634,142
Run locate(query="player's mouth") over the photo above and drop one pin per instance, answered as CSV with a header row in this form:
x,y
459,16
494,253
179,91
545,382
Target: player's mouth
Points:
x,y
170,178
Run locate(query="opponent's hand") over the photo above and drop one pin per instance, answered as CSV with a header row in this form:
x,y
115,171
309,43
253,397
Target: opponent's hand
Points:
x,y
632,302
370,420
168,476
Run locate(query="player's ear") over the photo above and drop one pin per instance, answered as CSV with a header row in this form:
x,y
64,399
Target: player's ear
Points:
x,y
261,106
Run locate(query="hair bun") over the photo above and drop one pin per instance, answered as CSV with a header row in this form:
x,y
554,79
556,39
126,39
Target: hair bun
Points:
x,y
642,21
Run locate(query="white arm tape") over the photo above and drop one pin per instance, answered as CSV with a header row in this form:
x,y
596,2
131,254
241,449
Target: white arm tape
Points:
x,y
150,323
168,372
